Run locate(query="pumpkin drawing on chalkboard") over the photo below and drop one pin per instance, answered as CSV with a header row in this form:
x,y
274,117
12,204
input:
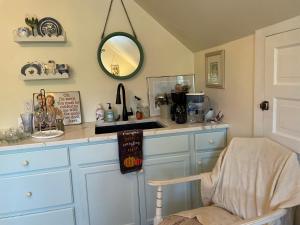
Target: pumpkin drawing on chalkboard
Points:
x,y
138,161
129,162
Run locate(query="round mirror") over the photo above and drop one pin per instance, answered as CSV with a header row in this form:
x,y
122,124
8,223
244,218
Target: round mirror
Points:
x,y
120,55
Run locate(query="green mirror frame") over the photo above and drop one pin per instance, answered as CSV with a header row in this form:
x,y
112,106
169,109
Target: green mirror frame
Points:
x,y
135,41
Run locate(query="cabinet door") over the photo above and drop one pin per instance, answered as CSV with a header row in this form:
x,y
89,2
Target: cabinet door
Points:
x,y
176,197
106,196
206,161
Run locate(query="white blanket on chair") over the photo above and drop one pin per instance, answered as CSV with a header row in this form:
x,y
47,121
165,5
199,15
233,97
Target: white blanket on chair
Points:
x,y
253,176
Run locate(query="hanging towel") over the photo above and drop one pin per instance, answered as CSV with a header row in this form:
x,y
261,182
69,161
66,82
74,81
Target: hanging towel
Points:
x,y
130,150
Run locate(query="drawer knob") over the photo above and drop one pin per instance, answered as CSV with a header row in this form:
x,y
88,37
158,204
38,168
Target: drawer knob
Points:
x,y
199,162
25,163
29,194
211,141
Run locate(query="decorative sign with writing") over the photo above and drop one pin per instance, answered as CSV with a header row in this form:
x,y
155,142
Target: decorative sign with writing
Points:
x,y
65,104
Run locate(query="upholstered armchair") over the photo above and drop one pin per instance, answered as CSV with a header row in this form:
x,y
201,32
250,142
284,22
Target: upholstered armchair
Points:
x,y
254,182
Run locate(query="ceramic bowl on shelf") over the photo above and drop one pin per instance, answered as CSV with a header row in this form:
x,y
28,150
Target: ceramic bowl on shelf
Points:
x,y
23,32
62,68
31,69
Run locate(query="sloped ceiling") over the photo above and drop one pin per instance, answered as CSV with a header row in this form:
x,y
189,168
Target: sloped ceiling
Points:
x,y
201,24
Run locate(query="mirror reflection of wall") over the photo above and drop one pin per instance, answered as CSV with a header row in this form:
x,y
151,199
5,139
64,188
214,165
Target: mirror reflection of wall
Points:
x,y
120,55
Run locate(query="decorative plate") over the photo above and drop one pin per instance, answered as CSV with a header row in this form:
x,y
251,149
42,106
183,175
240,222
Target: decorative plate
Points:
x,y
31,69
46,134
49,26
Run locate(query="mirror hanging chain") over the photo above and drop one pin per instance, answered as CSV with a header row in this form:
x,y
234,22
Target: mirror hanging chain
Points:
x,y
106,21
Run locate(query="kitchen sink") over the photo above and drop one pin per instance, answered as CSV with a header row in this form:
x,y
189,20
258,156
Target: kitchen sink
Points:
x,y
127,126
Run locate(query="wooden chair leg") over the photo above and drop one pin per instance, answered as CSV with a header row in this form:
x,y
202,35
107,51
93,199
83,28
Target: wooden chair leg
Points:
x,y
158,210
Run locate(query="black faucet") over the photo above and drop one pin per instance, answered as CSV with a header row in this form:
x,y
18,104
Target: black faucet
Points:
x,y
125,114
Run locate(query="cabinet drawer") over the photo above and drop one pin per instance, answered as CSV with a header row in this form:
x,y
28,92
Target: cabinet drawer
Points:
x,y
168,144
29,161
59,217
35,191
95,153
211,140
109,151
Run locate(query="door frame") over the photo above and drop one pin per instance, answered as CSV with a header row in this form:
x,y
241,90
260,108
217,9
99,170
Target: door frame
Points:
x,y
259,67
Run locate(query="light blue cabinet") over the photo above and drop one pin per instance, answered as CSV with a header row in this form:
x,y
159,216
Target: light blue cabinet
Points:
x,y
176,198
102,194
36,187
108,197
81,184
36,191
57,217
206,161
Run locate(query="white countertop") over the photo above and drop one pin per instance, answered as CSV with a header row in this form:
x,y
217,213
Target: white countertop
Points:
x,y
86,133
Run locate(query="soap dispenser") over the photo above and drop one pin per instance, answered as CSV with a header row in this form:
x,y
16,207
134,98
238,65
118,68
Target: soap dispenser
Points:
x,y
109,114
139,110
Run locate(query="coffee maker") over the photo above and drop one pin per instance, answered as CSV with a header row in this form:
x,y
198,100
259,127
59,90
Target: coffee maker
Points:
x,y
178,107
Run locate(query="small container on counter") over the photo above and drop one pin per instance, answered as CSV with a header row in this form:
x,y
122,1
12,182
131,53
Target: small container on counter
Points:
x,y
195,107
99,115
109,114
139,108
60,124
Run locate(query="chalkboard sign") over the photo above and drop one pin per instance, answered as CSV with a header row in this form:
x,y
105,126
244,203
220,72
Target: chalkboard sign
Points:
x,y
66,105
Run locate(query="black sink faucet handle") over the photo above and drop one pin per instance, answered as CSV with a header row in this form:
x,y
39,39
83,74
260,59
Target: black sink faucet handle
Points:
x,y
130,113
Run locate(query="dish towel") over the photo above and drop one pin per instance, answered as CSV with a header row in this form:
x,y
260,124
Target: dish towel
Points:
x,y
130,150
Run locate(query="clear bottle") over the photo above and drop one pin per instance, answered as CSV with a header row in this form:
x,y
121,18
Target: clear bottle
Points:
x,y
139,109
99,115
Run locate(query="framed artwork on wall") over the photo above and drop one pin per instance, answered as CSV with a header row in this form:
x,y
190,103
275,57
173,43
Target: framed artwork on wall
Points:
x,y
164,85
215,69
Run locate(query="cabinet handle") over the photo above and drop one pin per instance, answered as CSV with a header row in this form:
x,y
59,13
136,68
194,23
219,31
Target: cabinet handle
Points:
x,y
29,194
211,141
25,163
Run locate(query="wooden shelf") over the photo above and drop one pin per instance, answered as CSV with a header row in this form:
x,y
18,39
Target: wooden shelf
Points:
x,y
30,39
45,76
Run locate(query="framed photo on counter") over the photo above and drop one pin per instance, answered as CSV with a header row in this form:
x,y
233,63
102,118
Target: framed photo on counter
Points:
x,y
215,69
65,104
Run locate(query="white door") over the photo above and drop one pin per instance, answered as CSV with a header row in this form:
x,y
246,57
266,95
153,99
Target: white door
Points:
x,y
282,88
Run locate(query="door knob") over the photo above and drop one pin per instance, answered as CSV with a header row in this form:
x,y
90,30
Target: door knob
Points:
x,y
264,106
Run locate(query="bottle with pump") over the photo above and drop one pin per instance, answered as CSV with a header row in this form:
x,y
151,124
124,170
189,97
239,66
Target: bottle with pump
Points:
x,y
109,114
139,108
99,115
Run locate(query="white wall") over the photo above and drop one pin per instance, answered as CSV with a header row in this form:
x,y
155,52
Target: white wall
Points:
x,y
83,22
236,100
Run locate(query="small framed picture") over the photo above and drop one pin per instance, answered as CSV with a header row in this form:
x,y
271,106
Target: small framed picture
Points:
x,y
215,69
66,105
